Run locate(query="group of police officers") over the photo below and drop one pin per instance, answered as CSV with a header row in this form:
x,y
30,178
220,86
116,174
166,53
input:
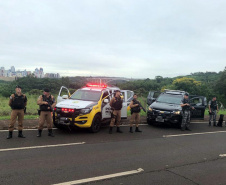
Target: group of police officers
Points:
x,y
186,111
18,102
47,103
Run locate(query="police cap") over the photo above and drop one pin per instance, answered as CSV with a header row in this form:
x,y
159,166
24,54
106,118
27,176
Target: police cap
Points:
x,y
186,94
17,86
46,90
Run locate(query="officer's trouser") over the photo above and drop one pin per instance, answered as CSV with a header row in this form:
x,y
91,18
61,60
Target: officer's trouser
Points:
x,y
213,116
14,114
116,117
185,119
135,117
45,116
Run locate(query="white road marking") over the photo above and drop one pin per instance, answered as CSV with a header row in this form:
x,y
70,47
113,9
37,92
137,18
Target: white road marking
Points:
x,y
222,155
201,133
44,146
101,177
28,129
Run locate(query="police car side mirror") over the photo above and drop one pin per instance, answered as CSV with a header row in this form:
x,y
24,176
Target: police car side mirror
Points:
x,y
65,96
106,101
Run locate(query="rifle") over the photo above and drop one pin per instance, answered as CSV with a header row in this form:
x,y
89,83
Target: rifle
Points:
x,y
142,107
137,102
51,109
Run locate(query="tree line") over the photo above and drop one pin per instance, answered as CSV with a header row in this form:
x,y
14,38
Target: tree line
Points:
x,y
205,84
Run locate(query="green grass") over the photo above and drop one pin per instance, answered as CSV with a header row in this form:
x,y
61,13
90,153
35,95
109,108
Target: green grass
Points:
x,y
31,106
220,112
25,117
31,112
143,102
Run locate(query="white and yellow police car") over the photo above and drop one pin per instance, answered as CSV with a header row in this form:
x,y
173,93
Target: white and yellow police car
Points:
x,y
88,107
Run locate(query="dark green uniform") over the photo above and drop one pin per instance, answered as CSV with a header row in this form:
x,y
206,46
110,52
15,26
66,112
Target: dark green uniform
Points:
x,y
186,114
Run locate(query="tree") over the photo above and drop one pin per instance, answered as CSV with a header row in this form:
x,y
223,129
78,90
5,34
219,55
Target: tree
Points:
x,y
220,86
159,79
187,84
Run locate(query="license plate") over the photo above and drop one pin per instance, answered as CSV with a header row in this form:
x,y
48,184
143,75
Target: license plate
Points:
x,y
159,119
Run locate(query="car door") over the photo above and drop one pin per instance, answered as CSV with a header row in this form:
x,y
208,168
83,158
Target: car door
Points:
x,y
199,103
64,93
152,95
127,98
105,107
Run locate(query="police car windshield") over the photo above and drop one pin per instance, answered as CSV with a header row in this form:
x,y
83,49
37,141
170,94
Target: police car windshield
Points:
x,y
86,95
170,98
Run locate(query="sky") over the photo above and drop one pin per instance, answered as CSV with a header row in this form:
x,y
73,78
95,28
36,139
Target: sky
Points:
x,y
120,38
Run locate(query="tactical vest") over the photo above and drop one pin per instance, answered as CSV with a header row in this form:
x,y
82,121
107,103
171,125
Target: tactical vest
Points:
x,y
18,102
118,104
137,108
45,107
213,105
184,101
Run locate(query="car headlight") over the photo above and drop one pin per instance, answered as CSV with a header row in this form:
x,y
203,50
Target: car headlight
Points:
x,y
177,112
150,109
86,111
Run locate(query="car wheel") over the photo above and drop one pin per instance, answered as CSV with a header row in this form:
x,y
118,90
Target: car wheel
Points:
x,y
96,124
57,125
149,122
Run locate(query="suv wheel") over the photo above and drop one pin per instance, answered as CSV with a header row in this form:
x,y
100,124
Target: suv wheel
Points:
x,y
96,124
149,122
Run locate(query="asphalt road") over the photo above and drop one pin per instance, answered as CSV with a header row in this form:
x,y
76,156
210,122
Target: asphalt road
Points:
x,y
164,155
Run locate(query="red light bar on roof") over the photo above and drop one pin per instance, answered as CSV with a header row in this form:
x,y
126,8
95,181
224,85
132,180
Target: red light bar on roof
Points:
x,y
97,85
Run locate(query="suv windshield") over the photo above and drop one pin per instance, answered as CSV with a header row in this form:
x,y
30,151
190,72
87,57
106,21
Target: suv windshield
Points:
x,y
86,95
170,98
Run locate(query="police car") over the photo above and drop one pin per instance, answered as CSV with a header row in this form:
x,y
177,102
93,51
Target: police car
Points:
x,y
88,107
165,107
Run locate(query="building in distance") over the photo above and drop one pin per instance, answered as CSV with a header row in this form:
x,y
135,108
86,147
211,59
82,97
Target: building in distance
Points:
x,y
38,73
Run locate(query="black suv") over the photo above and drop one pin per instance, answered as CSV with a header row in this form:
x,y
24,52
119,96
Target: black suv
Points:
x,y
166,107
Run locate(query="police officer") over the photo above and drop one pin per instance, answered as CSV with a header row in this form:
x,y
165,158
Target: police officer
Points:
x,y
17,102
135,114
213,109
186,112
116,105
46,103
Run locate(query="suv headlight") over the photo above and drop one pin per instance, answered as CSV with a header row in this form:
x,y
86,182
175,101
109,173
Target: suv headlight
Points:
x,y
177,112
150,109
86,111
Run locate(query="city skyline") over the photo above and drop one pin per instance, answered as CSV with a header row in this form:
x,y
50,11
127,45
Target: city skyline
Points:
x,y
38,73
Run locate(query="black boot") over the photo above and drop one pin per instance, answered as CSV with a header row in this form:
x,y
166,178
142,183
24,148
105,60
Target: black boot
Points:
x,y
110,130
50,133
118,130
20,134
214,124
131,130
209,123
137,130
39,133
10,135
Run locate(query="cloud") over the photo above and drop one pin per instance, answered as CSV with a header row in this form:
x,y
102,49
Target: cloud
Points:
x,y
130,38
